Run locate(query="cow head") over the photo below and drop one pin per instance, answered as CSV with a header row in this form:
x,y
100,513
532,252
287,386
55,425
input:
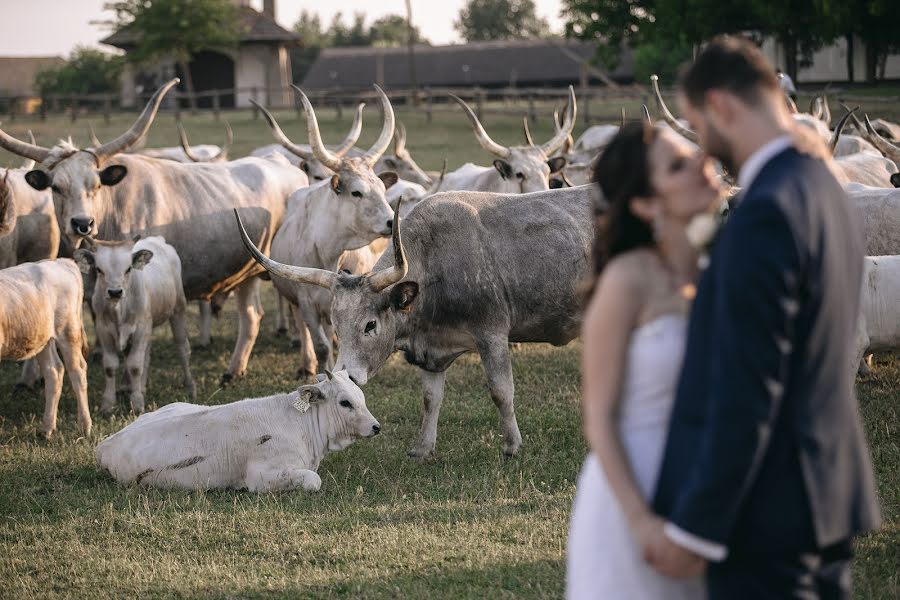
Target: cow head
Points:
x,y
112,263
401,162
342,412
77,176
220,156
309,163
366,310
525,168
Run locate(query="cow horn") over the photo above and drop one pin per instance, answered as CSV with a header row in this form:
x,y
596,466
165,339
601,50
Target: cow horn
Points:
x,y
528,138
480,134
95,141
29,162
840,127
565,130
826,111
329,374
667,116
325,156
319,277
885,147
399,139
391,275
570,141
280,137
647,114
387,131
140,127
353,134
24,149
222,154
815,107
792,106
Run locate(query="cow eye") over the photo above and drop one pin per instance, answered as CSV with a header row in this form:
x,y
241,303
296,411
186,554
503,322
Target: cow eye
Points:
x,y
356,194
346,404
370,326
520,175
318,178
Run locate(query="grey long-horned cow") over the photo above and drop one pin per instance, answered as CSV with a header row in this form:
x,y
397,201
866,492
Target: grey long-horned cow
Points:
x,y
103,193
517,169
472,272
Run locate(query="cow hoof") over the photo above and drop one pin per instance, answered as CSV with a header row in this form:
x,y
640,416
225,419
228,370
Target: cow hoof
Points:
x,y
226,379
420,454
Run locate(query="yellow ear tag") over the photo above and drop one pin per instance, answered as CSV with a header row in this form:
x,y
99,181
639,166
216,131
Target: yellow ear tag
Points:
x,y
301,403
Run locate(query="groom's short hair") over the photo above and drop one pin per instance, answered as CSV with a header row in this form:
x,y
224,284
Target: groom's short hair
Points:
x,y
731,63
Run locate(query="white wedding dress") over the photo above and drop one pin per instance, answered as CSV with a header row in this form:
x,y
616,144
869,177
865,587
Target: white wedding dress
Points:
x,y
604,560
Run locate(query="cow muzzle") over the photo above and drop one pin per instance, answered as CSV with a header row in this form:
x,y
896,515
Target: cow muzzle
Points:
x,y
82,226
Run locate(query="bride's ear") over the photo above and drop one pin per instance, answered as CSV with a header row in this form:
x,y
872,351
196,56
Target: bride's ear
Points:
x,y
645,209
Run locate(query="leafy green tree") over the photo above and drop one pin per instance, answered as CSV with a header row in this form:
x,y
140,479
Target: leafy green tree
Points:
x,y
309,28
484,20
612,24
87,71
392,31
177,29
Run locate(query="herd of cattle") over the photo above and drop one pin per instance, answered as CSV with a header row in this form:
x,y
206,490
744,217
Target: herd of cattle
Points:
x,y
150,230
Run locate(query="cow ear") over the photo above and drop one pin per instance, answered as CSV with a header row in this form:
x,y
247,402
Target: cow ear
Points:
x,y
304,166
140,259
503,168
38,179
85,260
311,393
336,184
556,163
113,174
403,294
389,178
895,180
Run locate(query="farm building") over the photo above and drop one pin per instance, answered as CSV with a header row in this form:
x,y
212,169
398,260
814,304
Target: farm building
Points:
x,y
17,78
517,63
261,64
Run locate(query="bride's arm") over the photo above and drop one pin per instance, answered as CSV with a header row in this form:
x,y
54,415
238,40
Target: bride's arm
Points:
x,y
606,331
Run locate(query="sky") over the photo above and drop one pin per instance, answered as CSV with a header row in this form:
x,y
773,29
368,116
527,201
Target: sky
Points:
x,y
55,27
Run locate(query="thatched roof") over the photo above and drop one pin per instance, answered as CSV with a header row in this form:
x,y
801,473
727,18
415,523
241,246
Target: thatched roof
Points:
x,y
17,73
255,28
490,64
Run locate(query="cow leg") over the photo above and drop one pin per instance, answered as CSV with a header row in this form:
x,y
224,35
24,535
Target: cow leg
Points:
x,y
70,346
261,479
297,334
31,374
249,315
281,320
433,395
52,370
205,323
110,366
135,363
179,333
307,368
320,343
498,368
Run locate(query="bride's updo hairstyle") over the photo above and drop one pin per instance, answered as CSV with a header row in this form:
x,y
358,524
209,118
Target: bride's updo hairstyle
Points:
x,y
623,173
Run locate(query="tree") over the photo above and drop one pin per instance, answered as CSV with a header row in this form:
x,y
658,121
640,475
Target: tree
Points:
x,y
393,31
483,20
87,71
309,28
177,29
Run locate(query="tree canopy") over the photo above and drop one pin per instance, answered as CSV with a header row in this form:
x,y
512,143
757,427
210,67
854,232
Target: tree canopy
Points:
x,y
485,20
87,71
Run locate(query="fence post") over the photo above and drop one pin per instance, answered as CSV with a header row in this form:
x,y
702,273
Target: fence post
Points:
x,y
587,107
429,105
479,103
107,109
532,114
43,109
340,109
255,92
217,104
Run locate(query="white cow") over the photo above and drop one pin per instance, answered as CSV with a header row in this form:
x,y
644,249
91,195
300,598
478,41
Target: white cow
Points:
x,y
138,287
260,444
878,328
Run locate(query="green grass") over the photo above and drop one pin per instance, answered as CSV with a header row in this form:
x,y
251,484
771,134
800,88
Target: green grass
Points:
x,y
466,524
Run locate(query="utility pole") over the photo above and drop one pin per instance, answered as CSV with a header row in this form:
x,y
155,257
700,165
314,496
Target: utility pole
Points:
x,y
410,43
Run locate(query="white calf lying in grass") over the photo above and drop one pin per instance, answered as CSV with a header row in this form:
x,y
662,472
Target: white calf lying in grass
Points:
x,y
261,444
138,288
878,328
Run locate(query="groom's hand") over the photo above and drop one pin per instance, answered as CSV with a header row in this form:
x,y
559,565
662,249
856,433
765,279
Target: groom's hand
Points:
x,y
669,558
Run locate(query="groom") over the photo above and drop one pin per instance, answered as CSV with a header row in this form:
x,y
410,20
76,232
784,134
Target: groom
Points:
x,y
766,472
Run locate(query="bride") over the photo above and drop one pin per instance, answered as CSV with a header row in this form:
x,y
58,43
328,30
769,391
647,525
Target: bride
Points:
x,y
634,333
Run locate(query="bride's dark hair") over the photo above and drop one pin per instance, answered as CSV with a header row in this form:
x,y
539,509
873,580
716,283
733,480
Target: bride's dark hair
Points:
x,y
623,173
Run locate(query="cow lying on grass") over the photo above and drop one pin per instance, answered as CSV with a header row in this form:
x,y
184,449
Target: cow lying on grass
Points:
x,y
260,444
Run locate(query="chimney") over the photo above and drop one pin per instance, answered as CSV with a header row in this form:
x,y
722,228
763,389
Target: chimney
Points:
x,y
269,8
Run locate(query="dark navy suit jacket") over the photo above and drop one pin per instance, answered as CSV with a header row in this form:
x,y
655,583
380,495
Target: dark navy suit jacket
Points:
x,y
765,452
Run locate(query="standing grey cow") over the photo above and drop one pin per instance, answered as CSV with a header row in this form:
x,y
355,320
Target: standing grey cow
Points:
x,y
517,169
344,213
138,288
472,273
102,193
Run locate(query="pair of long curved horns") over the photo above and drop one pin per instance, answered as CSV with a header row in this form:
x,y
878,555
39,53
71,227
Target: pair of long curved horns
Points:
x,y
890,150
134,133
325,278
297,150
646,112
667,116
29,162
331,160
501,151
840,127
222,154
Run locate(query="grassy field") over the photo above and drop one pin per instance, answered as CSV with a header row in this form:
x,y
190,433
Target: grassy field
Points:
x,y
467,524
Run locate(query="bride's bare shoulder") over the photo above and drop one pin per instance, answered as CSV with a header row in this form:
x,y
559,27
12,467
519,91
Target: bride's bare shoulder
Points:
x,y
631,269
622,285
